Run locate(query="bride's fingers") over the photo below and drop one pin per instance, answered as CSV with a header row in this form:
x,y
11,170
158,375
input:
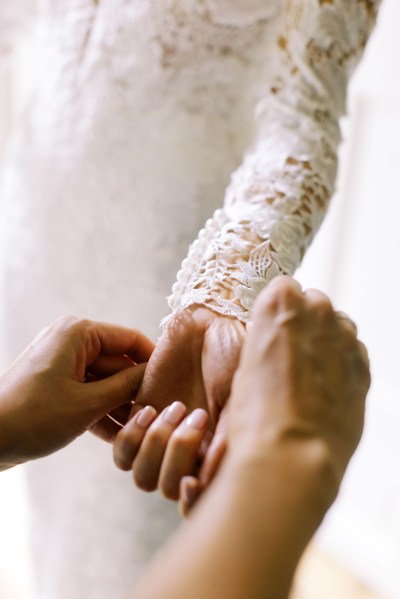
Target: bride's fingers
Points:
x,y
182,453
129,438
149,458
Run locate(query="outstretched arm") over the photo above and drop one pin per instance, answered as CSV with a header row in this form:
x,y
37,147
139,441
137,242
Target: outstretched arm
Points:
x,y
279,196
273,207
296,416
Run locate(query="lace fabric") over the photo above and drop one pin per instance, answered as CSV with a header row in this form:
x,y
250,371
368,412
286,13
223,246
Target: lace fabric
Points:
x,y
279,195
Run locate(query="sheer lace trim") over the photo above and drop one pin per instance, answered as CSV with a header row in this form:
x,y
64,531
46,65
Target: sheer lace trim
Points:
x,y
279,196
254,239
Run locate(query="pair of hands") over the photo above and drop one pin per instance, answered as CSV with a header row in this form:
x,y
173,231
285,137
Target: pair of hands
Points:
x,y
192,366
44,403
301,383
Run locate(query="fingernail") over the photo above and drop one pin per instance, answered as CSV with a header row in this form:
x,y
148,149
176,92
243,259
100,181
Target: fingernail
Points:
x,y
174,412
146,416
197,419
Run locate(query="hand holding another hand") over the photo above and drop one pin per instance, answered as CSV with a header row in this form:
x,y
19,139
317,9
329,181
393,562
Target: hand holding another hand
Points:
x,y
293,420
44,401
299,389
194,363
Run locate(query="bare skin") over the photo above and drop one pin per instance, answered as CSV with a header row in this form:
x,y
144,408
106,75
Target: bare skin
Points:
x,y
193,363
44,401
295,418
296,411
161,450
169,452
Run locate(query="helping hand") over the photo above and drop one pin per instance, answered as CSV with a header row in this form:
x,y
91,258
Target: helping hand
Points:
x,y
305,360
299,392
44,403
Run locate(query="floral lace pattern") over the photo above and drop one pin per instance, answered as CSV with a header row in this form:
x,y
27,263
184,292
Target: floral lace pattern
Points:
x,y
279,195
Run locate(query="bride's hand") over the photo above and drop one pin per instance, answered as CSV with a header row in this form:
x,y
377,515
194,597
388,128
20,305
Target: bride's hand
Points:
x,y
194,363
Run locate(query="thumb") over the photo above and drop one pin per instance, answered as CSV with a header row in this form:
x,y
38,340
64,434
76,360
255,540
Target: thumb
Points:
x,y
109,393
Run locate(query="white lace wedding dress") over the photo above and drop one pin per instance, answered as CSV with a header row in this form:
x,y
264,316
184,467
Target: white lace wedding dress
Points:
x,y
143,110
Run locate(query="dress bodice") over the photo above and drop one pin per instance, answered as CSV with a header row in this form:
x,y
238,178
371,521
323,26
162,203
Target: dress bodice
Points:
x,y
142,110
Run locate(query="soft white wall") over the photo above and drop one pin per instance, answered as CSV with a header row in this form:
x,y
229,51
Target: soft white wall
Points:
x,y
356,260
17,76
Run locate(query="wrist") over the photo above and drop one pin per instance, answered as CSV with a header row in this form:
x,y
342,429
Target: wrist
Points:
x,y
200,318
302,473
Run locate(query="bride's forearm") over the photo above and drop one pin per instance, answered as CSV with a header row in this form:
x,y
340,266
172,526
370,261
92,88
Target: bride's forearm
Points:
x,y
279,196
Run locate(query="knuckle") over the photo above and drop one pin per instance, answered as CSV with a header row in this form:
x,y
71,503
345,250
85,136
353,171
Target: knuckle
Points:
x,y
319,305
346,340
65,322
125,440
86,325
269,297
179,440
182,324
281,292
156,437
69,324
323,309
346,322
351,350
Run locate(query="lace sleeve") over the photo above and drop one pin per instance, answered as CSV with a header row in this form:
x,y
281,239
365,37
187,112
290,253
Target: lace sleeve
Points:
x,y
278,197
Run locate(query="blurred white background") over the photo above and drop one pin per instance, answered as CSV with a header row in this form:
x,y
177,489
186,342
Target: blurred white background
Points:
x,y
355,259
